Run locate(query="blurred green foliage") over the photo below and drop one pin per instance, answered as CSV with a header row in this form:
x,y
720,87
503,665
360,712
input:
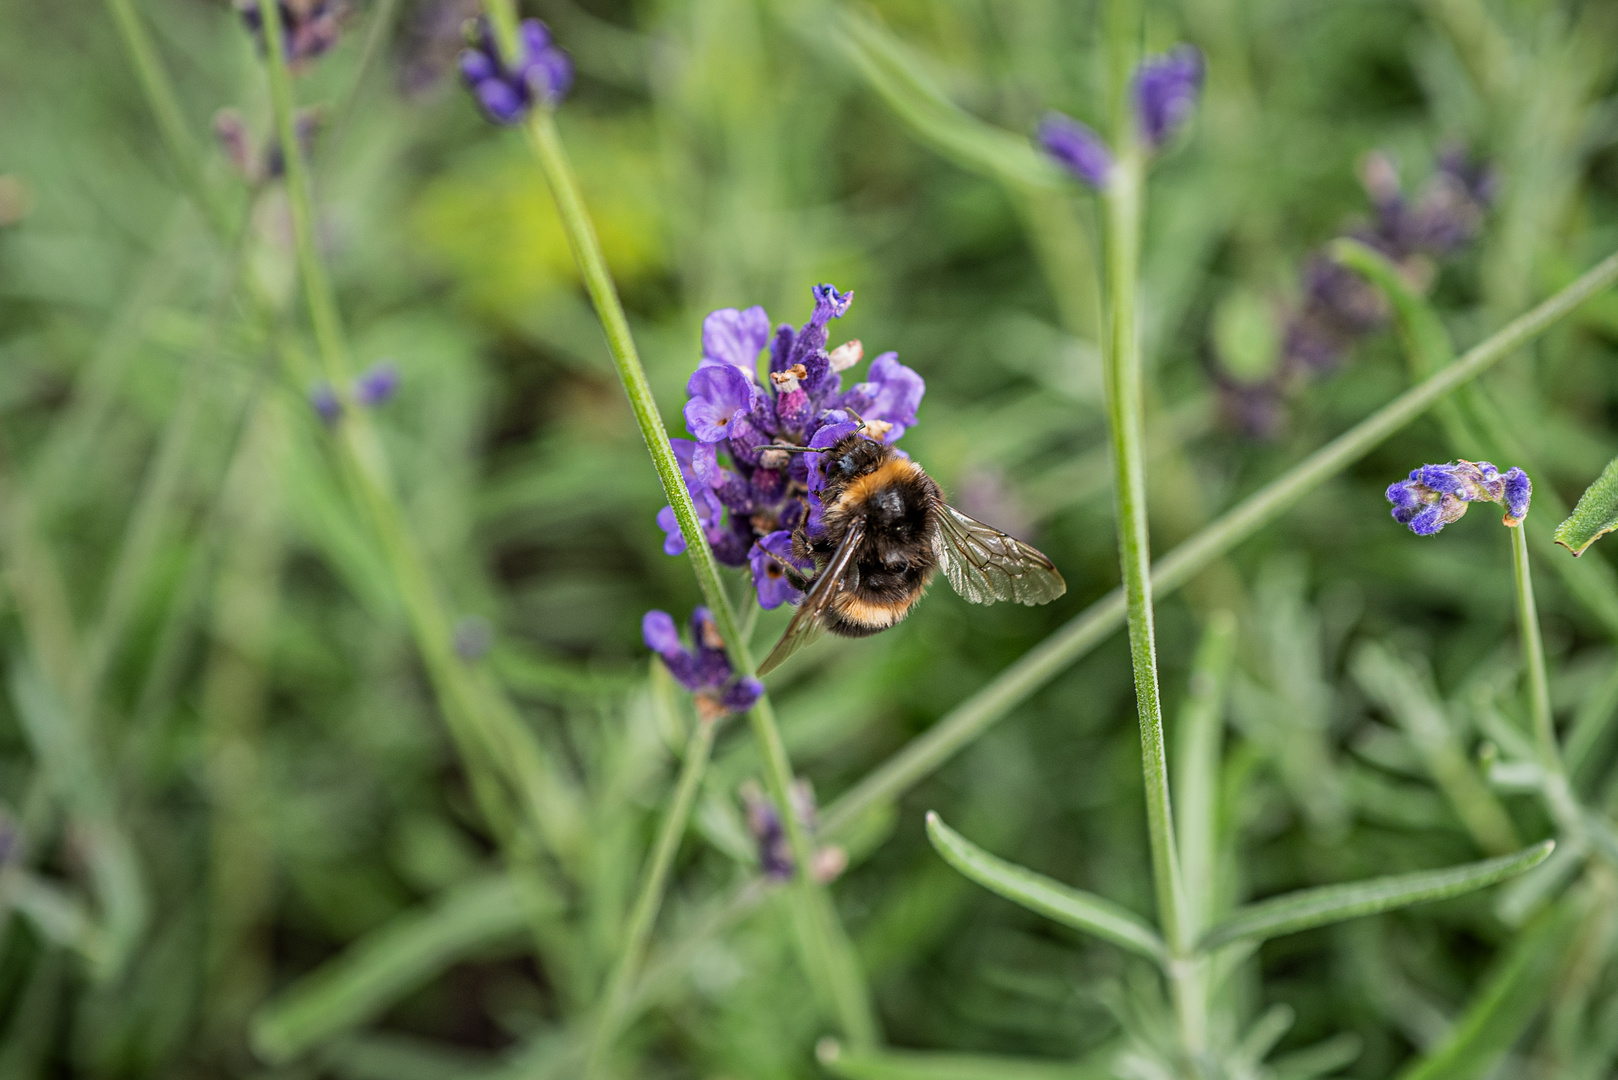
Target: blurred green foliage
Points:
x,y
240,840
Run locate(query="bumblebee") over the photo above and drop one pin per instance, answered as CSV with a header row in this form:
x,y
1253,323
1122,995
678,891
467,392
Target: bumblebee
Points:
x,y
887,529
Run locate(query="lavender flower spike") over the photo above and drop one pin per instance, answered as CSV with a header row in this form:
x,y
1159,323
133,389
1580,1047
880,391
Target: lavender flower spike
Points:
x,y
1436,495
703,668
542,73
1166,90
1076,148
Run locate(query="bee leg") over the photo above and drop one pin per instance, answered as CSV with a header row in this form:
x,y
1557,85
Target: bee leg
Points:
x,y
797,580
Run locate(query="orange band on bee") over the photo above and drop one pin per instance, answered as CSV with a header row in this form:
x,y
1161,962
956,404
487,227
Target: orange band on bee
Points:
x,y
861,488
875,615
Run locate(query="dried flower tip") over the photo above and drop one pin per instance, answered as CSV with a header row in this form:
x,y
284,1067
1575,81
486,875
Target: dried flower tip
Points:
x,y
1076,148
828,864
1166,90
878,429
785,382
846,355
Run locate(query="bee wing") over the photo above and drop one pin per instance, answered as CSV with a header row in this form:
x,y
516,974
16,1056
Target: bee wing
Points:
x,y
808,622
985,565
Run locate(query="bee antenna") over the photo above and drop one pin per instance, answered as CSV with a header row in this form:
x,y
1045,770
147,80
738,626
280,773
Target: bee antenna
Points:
x,y
789,448
855,415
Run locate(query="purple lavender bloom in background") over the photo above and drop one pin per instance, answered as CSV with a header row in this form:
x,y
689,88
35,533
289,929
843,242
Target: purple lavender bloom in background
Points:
x,y
1076,148
543,73
310,27
703,668
1166,90
764,822
377,384
1437,495
323,399
889,398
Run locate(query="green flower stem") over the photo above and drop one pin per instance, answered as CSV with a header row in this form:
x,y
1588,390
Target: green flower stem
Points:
x,y
828,955
1558,792
923,755
699,748
1122,200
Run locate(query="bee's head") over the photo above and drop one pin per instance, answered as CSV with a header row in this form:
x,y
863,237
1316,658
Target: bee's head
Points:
x,y
851,456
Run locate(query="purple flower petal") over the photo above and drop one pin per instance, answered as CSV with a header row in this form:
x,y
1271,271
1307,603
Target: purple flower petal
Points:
x,y
740,695
674,541
658,631
897,397
735,337
1076,148
770,557
503,104
718,393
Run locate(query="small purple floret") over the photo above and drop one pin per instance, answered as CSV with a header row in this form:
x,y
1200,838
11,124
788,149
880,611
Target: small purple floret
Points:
x,y
1076,148
1166,91
377,384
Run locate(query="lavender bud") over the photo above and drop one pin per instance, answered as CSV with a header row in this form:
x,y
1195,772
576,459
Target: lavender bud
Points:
x,y
1166,90
377,384
1076,148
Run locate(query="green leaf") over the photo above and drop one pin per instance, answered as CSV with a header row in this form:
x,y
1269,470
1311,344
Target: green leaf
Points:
x,y
382,967
1036,892
1595,516
903,1065
1335,903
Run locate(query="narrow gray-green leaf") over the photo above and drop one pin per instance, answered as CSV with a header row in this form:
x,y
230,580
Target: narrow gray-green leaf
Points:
x,y
1335,903
910,1065
1036,892
377,970
1595,516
